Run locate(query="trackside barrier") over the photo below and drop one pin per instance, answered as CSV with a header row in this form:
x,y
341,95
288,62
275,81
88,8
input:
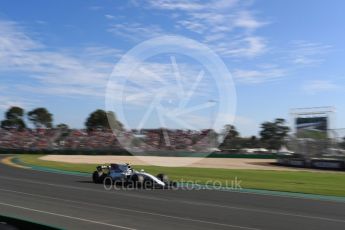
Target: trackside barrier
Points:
x,y
335,164
15,223
328,164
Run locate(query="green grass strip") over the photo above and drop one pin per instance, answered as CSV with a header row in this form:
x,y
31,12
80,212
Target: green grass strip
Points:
x,y
298,182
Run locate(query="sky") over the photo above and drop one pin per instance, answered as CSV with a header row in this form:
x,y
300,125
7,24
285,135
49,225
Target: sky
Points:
x,y
280,55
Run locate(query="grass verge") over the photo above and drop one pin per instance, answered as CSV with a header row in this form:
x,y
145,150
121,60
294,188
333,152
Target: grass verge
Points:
x,y
320,183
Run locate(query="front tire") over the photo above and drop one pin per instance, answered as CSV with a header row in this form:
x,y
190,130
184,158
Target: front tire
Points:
x,y
137,180
163,177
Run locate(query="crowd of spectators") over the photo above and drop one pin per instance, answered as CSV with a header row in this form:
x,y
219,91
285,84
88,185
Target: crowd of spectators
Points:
x,y
34,139
95,139
101,139
168,139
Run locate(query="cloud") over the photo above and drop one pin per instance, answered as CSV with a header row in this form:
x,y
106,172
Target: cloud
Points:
x,y
250,46
319,86
308,53
61,72
135,31
146,79
245,19
101,52
8,102
8,99
109,16
181,96
192,25
191,5
84,72
259,75
227,26
176,5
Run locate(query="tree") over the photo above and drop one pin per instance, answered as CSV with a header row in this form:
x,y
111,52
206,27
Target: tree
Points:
x,y
114,123
231,138
252,142
102,119
273,133
14,113
14,118
40,117
231,131
12,124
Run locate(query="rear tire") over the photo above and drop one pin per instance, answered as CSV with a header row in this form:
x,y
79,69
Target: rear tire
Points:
x,y
107,180
95,177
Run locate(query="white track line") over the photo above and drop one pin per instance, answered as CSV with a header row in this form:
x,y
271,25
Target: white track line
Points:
x,y
186,202
65,216
132,210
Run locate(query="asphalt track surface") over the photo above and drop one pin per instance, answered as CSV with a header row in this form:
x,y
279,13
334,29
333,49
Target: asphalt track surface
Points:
x,y
73,202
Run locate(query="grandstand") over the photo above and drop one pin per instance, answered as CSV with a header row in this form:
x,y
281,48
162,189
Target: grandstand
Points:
x,y
101,140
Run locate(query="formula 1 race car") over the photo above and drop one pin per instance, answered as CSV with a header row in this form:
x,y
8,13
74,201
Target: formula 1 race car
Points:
x,y
124,174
